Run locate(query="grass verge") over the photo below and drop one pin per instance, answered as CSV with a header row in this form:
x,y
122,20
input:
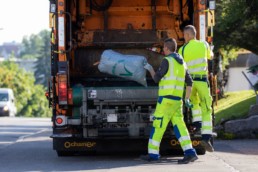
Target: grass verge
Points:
x,y
235,105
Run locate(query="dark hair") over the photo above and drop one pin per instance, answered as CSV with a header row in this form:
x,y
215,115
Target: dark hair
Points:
x,y
191,29
171,44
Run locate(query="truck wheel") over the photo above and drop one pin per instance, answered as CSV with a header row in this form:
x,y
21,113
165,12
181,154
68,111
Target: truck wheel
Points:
x,y
64,153
200,151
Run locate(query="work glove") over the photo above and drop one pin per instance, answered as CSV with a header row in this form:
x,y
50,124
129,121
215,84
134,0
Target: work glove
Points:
x,y
148,67
188,104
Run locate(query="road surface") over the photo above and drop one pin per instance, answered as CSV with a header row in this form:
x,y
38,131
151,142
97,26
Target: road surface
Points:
x,y
25,145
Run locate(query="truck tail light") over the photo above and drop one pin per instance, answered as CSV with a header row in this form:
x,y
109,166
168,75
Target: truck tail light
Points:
x,y
70,96
62,89
60,120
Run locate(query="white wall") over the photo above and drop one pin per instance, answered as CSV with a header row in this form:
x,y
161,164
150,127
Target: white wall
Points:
x,y
236,80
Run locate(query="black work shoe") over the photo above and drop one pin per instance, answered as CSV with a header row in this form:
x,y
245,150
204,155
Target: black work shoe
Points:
x,y
187,159
147,158
207,145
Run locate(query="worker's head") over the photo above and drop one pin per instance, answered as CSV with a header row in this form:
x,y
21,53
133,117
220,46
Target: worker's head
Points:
x,y
189,33
169,46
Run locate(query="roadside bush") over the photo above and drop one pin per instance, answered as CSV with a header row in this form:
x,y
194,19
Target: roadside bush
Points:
x,y
29,98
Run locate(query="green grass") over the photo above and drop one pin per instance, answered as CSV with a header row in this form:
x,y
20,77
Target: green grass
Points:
x,y
236,105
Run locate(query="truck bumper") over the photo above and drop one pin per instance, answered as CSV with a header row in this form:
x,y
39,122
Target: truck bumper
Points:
x,y
111,145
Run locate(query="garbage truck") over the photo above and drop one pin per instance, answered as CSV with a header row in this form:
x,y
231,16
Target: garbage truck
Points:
x,y
97,112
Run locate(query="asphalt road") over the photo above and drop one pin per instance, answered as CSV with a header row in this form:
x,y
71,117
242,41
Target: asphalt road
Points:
x,y
25,145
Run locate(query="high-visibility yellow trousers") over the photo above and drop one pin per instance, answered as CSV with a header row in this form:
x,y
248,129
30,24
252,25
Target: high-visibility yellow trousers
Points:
x,y
169,110
202,102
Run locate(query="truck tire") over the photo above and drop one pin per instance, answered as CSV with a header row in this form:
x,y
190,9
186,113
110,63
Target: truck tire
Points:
x,y
200,151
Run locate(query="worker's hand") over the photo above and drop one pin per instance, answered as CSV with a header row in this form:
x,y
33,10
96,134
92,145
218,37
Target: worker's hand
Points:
x,y
188,104
148,67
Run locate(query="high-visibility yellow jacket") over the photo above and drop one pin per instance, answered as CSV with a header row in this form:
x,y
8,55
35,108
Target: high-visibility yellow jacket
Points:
x,y
172,83
195,54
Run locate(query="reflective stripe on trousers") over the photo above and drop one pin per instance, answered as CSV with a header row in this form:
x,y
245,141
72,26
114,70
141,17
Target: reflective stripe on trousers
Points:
x,y
186,147
155,143
197,114
183,138
153,151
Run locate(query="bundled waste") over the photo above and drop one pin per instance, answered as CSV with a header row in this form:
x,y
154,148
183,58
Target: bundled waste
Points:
x,y
126,66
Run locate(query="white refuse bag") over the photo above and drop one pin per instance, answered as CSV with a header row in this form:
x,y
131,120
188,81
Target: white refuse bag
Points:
x,y
126,66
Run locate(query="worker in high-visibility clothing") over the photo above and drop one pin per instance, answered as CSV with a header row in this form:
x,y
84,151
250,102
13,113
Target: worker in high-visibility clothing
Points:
x,y
171,76
196,54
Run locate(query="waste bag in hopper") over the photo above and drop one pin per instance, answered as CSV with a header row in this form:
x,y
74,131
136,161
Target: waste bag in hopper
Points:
x,y
126,66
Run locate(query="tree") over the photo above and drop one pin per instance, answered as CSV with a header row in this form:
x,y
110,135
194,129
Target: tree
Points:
x,y
42,67
38,46
30,46
237,25
29,98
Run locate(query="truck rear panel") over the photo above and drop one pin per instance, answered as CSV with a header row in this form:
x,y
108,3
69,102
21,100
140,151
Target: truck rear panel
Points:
x,y
94,111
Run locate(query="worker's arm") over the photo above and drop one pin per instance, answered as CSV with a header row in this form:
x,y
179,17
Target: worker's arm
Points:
x,y
156,76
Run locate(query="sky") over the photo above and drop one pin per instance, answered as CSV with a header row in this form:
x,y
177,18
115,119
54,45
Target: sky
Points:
x,y
19,18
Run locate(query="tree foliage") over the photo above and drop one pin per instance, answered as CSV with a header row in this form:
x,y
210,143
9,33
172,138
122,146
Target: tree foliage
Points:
x,y
237,25
38,47
42,72
30,46
29,98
